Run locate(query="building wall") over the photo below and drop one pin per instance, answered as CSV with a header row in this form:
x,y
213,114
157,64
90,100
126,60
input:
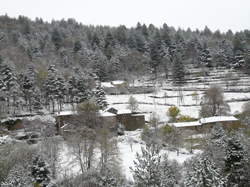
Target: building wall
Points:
x,y
225,124
13,124
131,122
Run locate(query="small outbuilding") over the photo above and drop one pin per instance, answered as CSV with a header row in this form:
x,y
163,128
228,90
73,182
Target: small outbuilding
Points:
x,y
228,122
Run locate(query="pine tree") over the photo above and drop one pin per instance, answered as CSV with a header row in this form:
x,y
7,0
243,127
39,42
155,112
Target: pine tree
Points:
x,y
10,85
216,146
83,93
50,86
203,172
72,90
40,172
139,42
27,82
109,44
178,70
37,103
56,39
156,53
100,97
107,178
166,35
168,178
239,60
60,91
218,136
205,58
115,65
18,176
77,46
147,166
234,162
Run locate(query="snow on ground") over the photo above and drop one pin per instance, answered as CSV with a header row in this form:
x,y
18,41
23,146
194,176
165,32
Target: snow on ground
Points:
x,y
44,118
5,140
128,144
158,106
131,143
68,164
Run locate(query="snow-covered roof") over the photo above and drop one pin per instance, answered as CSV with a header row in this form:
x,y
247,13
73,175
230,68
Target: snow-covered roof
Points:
x,y
107,84
124,111
186,124
66,113
138,114
117,82
107,114
10,118
215,119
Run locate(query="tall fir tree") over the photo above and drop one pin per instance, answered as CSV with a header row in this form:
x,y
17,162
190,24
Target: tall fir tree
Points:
x,y
40,172
234,163
178,70
204,173
100,97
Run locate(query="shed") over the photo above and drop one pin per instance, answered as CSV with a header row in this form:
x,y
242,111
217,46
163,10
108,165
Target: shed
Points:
x,y
193,125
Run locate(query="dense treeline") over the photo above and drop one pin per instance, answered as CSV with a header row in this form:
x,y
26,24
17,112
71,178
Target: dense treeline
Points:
x,y
52,63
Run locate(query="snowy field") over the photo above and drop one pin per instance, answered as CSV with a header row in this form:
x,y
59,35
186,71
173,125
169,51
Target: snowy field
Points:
x,y
131,143
128,144
160,105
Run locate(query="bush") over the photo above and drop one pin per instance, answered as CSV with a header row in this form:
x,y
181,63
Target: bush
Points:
x,y
173,112
132,104
167,129
184,118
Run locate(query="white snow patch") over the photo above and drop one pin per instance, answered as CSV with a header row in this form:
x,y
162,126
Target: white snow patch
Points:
x,y
131,143
218,119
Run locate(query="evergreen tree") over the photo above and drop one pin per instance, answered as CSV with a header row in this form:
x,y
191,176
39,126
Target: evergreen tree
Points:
x,y
109,44
9,85
156,53
238,43
168,178
205,58
147,167
115,65
27,83
100,97
107,178
50,86
203,172
234,163
40,172
120,34
56,39
18,176
77,46
178,71
131,41
60,91
139,42
239,60
166,35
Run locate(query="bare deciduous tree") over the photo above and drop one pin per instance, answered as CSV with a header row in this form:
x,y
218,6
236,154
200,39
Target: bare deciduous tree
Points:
x,y
213,103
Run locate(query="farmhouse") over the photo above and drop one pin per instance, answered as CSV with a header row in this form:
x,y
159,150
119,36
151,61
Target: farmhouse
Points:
x,y
131,121
115,87
207,123
122,87
112,117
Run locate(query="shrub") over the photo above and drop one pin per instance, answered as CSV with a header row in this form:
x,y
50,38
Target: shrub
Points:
x,y
132,104
173,112
185,118
167,129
